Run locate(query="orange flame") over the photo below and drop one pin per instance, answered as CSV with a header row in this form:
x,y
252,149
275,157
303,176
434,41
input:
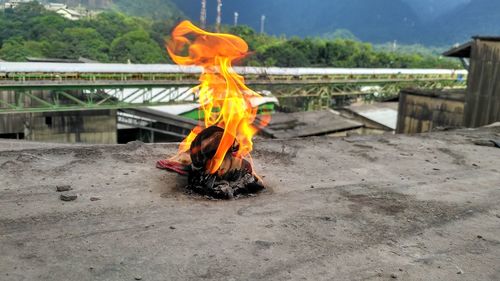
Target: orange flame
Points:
x,y
223,95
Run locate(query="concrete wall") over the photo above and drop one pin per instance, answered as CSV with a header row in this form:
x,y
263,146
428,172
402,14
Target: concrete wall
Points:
x,y
420,112
95,126
10,123
482,105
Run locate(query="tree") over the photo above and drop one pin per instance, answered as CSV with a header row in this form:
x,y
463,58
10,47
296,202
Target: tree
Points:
x,y
47,27
84,42
284,55
112,25
16,49
136,47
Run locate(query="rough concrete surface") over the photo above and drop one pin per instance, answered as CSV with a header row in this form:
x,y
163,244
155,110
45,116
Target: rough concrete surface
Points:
x,y
361,208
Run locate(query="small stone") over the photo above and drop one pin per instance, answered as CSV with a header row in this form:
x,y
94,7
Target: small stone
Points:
x,y
63,188
95,198
480,236
125,174
394,276
459,272
312,186
68,197
475,165
138,278
436,169
172,227
401,269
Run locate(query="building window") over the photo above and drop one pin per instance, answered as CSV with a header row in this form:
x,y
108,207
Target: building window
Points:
x,y
48,121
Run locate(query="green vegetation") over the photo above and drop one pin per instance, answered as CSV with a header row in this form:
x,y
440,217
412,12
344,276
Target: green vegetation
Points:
x,y
31,31
318,52
151,9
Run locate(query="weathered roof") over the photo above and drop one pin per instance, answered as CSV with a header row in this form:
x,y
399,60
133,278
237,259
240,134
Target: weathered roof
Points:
x,y
464,50
461,51
305,124
486,38
385,114
69,11
359,208
44,66
455,94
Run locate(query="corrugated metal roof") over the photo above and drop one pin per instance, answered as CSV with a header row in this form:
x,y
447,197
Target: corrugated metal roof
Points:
x,y
305,124
464,50
170,68
461,51
385,114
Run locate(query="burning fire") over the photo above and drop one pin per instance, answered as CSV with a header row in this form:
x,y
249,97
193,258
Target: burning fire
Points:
x,y
224,98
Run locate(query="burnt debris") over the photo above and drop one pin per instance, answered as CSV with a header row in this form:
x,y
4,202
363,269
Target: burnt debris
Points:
x,y
234,178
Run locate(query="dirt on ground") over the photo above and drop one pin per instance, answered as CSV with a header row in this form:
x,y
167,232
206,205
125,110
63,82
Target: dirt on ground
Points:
x,y
420,207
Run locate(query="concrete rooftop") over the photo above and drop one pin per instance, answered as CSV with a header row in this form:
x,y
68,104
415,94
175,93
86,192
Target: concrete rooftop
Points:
x,y
360,208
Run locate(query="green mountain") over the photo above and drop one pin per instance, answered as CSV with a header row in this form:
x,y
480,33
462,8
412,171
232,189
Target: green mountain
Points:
x,y
430,22
479,17
429,10
373,20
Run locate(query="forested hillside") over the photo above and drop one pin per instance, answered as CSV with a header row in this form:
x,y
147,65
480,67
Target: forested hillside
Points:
x,y
152,9
32,31
429,22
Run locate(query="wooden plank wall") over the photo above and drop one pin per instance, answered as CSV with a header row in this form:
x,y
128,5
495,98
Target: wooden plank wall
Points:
x,y
421,113
482,105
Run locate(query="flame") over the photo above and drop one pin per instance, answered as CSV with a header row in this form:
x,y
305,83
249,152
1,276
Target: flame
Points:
x,y
223,95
